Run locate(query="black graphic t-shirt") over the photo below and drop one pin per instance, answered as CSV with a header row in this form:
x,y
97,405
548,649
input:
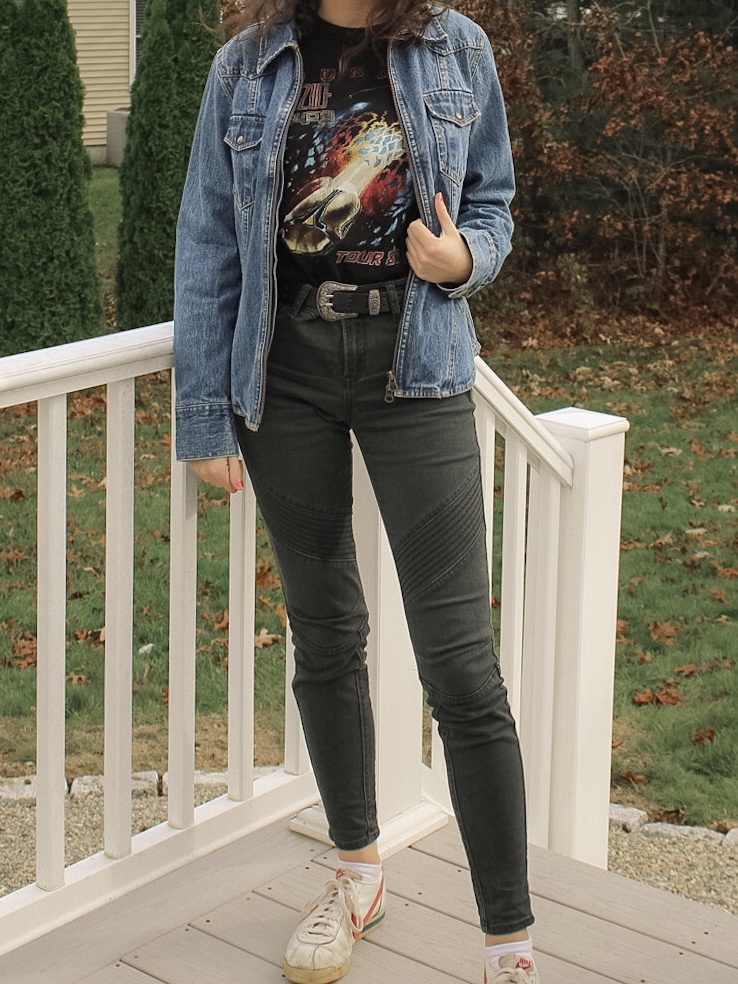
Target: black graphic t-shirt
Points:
x,y
348,195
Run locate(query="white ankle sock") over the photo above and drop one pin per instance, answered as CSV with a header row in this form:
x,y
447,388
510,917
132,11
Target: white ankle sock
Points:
x,y
370,873
520,948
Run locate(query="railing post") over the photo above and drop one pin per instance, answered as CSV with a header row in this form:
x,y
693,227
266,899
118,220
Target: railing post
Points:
x,y
589,553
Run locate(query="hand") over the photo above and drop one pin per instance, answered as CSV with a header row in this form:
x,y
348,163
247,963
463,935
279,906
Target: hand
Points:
x,y
224,473
443,259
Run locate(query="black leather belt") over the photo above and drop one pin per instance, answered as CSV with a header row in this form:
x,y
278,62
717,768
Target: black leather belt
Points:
x,y
336,301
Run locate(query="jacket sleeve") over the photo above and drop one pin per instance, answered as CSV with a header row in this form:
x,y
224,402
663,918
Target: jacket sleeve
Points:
x,y
484,218
207,286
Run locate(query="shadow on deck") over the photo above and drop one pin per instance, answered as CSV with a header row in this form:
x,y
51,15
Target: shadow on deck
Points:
x,y
224,919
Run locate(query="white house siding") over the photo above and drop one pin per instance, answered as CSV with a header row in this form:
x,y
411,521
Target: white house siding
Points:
x,y
103,32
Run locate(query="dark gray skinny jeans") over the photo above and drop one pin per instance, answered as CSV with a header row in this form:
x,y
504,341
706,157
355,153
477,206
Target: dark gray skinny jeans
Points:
x,y
326,380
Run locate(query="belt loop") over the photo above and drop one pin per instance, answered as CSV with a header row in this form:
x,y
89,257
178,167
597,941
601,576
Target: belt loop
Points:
x,y
295,301
396,293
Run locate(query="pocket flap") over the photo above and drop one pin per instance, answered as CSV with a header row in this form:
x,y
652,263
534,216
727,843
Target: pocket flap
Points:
x,y
244,132
453,105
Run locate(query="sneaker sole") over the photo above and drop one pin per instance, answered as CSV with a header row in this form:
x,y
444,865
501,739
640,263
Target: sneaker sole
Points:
x,y
325,975
301,975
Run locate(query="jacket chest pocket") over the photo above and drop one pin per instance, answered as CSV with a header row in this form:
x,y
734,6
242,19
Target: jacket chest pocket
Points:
x,y
451,112
244,137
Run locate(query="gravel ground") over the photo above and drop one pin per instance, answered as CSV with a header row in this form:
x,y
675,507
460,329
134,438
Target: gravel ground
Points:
x,y
706,872
84,831
699,870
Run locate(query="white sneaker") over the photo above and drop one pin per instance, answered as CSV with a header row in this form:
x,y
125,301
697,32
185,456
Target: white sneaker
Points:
x,y
347,910
513,970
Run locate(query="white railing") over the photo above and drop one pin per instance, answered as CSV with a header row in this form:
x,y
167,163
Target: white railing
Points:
x,y
558,586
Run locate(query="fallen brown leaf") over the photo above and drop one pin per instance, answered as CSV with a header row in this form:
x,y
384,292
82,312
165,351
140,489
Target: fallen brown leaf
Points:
x,y
663,632
725,571
676,816
632,779
666,694
76,678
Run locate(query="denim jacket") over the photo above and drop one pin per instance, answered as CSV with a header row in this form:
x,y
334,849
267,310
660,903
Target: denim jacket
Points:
x,y
450,107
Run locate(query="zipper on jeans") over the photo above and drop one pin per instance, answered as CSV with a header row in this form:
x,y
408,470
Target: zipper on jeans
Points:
x,y
389,392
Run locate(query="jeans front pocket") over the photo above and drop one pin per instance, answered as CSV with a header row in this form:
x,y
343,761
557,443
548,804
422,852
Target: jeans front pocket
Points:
x,y
244,137
452,111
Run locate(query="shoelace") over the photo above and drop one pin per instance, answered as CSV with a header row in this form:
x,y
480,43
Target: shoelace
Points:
x,y
339,899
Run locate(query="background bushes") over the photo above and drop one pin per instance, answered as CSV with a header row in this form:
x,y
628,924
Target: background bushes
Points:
x,y
179,39
49,291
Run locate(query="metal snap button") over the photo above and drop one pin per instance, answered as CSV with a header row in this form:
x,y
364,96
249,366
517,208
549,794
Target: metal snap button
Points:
x,y
239,140
459,116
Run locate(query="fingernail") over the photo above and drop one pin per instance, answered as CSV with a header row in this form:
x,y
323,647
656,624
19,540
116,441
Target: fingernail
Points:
x,y
239,485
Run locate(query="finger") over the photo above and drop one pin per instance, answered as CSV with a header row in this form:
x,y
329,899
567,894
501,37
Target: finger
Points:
x,y
214,471
235,473
417,263
419,233
445,220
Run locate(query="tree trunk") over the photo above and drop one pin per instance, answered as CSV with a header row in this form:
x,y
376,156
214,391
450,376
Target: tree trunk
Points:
x,y
574,35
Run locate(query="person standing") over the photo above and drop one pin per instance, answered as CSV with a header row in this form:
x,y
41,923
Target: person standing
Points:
x,y
348,190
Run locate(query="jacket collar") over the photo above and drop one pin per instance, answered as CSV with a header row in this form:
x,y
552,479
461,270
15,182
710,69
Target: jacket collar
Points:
x,y
274,43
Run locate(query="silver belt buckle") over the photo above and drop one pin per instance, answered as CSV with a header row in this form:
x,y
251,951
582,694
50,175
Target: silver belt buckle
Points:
x,y
325,301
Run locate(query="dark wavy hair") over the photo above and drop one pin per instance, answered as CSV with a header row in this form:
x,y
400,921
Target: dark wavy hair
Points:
x,y
401,20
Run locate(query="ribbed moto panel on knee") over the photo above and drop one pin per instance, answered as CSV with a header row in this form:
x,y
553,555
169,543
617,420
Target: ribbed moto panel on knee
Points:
x,y
441,540
325,535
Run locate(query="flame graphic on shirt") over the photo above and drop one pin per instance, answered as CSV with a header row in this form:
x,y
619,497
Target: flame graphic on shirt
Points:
x,y
329,205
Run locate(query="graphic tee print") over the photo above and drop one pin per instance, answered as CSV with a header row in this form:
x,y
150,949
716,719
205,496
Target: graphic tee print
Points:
x,y
348,195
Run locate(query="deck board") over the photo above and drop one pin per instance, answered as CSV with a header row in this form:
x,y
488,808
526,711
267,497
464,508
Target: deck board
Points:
x,y
431,933
229,915
64,957
689,925
409,929
188,956
118,973
262,925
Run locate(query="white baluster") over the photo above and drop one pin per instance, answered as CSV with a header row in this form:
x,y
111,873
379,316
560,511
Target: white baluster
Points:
x,y
51,640
241,644
182,624
539,646
119,616
513,568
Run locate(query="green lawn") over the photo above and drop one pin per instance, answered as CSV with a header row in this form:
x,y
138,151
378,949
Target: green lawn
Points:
x,y
676,688
105,205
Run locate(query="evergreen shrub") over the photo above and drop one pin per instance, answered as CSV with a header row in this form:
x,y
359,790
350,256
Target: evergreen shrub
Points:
x,y
49,291
178,41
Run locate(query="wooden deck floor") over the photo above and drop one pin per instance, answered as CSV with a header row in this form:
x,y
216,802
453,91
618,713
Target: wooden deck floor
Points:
x,y
225,919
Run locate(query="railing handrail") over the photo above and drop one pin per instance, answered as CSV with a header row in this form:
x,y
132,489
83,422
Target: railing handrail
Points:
x,y
90,362
97,361
516,416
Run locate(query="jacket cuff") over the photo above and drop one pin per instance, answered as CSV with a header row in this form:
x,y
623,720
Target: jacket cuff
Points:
x,y
205,432
485,266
